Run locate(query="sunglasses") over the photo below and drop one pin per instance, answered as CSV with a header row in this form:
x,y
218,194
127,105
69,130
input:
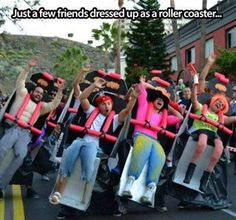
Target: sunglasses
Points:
x,y
234,90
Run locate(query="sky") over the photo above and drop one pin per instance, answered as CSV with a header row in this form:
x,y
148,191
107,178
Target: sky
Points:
x,y
81,28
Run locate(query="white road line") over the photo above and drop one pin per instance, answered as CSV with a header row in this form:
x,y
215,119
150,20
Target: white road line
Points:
x,y
229,212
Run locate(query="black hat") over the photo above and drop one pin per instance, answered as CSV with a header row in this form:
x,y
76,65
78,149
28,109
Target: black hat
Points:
x,y
44,80
152,95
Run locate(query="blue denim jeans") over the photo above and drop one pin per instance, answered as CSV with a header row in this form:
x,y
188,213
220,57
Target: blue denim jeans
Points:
x,y
86,151
146,149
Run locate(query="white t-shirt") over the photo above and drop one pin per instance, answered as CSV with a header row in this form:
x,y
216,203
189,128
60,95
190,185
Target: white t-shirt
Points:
x,y
97,124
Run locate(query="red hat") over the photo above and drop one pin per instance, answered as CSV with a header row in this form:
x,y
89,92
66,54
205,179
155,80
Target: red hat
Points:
x,y
104,98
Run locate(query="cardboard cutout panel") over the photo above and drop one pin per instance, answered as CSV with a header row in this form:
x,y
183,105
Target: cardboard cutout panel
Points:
x,y
184,162
75,195
139,186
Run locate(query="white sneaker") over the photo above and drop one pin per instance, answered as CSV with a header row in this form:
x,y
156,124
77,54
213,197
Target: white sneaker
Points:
x,y
45,177
127,190
147,198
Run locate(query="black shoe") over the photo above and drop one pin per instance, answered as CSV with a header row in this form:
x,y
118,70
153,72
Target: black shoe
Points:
x,y
61,216
31,194
161,208
182,205
189,173
204,181
1,194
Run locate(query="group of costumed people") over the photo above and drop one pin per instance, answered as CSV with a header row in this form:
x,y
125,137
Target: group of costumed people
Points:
x,y
152,111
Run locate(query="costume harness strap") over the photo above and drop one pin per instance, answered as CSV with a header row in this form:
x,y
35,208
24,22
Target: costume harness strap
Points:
x,y
158,128
101,134
33,117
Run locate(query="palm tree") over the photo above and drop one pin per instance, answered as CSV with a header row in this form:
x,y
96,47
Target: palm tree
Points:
x,y
117,68
203,36
108,33
176,39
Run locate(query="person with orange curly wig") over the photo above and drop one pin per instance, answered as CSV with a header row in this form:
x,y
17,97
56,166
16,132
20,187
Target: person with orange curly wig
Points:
x,y
205,133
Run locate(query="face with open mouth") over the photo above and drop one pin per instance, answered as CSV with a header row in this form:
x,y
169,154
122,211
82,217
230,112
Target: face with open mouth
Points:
x,y
158,103
37,94
105,107
218,105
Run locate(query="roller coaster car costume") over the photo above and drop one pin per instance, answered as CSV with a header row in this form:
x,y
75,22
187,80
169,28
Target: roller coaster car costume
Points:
x,y
146,148
200,127
21,117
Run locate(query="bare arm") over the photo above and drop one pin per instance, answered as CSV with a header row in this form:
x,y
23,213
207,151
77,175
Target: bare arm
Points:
x,y
20,83
229,120
84,102
203,75
78,79
126,111
48,107
175,112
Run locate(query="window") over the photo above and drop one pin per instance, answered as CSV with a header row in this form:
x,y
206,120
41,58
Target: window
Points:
x,y
209,47
190,55
173,64
231,38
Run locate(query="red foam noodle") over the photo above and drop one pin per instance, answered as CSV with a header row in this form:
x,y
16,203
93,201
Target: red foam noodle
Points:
x,y
221,78
47,76
35,130
168,134
162,82
204,109
72,110
211,122
156,72
102,73
149,112
22,124
174,105
108,121
218,75
192,68
137,122
164,119
93,133
9,117
221,118
91,118
35,113
115,76
224,80
51,124
23,105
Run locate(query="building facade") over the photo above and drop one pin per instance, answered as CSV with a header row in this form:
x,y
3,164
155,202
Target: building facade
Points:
x,y
220,33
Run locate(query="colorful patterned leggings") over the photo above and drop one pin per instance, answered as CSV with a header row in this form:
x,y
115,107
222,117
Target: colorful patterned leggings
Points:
x,y
146,149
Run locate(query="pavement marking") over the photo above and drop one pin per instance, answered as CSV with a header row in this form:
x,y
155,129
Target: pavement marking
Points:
x,y
229,212
18,206
2,209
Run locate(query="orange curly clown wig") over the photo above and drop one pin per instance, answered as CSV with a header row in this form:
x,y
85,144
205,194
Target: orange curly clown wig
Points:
x,y
223,99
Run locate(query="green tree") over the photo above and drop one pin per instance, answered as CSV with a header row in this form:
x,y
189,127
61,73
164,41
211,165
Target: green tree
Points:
x,y
68,64
146,47
226,63
108,34
6,10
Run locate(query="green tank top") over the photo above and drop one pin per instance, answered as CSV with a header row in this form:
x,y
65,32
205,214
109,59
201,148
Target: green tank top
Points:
x,y
197,124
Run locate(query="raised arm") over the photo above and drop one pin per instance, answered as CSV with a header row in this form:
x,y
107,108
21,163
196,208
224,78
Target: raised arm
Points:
x,y
48,107
202,78
20,82
85,69
175,112
84,102
133,98
194,93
